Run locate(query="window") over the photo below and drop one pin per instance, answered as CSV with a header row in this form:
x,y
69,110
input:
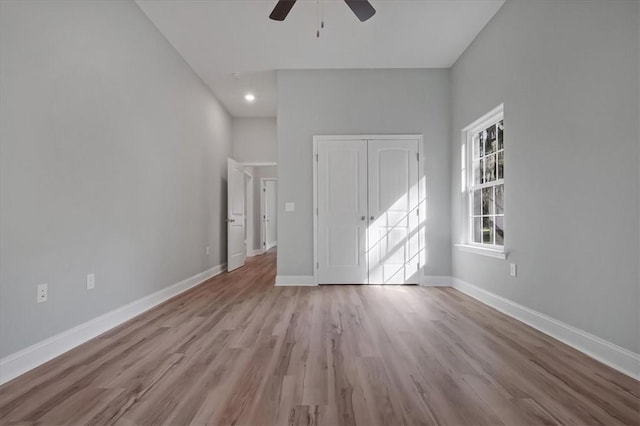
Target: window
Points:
x,y
483,181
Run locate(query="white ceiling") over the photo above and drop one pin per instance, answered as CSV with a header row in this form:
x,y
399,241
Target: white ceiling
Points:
x,y
221,37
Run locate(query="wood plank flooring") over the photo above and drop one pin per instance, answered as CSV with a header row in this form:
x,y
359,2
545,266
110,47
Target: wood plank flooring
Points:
x,y
237,350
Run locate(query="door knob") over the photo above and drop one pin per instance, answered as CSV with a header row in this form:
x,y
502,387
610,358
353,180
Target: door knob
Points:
x,y
363,218
371,218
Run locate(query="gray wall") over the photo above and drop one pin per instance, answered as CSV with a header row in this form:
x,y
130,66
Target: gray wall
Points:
x,y
317,102
113,161
567,72
254,139
259,173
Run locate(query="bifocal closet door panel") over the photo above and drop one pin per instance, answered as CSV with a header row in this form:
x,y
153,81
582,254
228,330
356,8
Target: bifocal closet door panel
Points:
x,y
342,212
393,243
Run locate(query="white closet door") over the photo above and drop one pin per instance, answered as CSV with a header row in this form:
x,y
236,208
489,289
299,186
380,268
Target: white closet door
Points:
x,y
393,245
342,215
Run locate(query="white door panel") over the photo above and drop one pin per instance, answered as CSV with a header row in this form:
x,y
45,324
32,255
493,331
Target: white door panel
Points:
x,y
236,251
393,212
342,204
271,196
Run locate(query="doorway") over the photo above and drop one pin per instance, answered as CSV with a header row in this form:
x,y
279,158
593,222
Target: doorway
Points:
x,y
245,206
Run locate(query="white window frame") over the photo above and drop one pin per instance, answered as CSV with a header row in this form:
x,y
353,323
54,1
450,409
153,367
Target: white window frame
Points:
x,y
466,179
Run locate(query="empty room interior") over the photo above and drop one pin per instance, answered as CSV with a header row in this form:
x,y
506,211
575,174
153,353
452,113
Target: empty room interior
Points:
x,y
319,212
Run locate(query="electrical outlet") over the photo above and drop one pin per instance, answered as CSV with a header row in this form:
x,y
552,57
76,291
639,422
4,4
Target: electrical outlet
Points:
x,y
208,250
42,293
513,270
91,281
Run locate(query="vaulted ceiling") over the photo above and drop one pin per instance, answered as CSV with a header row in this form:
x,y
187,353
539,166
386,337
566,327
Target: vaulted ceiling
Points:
x,y
235,48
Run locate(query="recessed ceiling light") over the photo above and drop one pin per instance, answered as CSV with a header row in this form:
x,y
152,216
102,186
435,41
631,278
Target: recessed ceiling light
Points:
x,y
249,97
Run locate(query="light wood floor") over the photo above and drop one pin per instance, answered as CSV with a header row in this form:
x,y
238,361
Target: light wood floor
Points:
x,y
237,350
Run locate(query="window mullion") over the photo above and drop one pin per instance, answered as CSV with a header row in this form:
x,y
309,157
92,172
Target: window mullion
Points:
x,y
486,185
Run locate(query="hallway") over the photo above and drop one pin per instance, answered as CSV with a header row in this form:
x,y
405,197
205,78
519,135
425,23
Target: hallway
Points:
x,y
237,350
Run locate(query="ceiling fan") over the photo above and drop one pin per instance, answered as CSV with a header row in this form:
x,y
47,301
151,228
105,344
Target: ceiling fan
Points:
x,y
361,8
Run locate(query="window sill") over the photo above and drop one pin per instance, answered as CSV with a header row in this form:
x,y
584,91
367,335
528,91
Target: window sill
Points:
x,y
498,254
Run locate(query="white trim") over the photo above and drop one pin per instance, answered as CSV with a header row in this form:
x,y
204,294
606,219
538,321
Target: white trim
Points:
x,y
263,213
498,254
256,252
259,164
365,137
37,354
295,280
614,356
436,281
249,212
421,187
486,119
273,244
314,212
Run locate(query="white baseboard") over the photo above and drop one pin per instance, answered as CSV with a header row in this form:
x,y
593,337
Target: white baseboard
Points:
x,y
436,281
295,280
621,359
271,245
37,354
256,252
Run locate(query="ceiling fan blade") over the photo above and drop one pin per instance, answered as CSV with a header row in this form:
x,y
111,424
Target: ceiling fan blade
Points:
x,y
282,9
362,9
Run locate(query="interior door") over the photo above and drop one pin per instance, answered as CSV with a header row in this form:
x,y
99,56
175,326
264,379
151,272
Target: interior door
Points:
x,y
270,201
236,251
393,237
342,212
248,212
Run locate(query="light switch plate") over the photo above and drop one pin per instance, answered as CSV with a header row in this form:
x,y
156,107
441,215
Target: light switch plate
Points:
x,y
289,207
91,281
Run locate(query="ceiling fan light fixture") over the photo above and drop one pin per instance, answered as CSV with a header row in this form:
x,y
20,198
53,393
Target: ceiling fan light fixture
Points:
x,y
361,8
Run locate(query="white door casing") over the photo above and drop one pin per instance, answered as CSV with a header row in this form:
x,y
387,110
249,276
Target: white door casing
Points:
x,y
342,211
249,212
270,192
236,251
393,237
